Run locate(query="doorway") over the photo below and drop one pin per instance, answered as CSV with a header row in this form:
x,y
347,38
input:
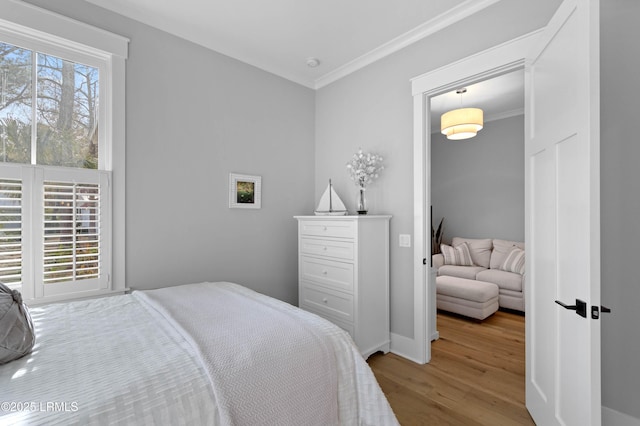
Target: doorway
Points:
x,y
501,60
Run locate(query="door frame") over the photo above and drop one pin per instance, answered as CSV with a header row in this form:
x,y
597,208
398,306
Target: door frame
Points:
x,y
495,61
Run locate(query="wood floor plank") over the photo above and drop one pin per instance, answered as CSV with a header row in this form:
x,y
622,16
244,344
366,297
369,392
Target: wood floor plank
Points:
x,y
475,377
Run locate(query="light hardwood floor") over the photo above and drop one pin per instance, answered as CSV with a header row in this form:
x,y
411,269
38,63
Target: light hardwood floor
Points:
x,y
476,375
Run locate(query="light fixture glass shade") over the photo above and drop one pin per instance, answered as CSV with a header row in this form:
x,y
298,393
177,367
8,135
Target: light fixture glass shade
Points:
x,y
461,123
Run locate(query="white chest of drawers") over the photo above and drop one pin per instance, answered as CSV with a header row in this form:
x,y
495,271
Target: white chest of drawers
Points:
x,y
343,275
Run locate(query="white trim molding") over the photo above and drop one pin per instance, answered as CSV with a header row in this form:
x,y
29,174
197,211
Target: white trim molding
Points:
x,y
450,17
491,62
34,20
404,347
504,114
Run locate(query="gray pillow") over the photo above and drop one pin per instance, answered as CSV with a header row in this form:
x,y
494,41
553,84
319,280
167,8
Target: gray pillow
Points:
x,y
16,328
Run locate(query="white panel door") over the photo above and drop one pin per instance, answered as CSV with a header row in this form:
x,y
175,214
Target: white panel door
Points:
x,y
563,218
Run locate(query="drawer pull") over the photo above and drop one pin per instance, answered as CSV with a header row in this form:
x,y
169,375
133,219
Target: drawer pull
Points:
x,y
324,248
324,228
325,300
324,272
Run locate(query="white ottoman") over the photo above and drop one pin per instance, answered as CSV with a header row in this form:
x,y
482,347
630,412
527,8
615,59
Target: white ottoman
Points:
x,y
475,299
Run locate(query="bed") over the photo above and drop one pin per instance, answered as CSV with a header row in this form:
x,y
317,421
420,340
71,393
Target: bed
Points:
x,y
207,353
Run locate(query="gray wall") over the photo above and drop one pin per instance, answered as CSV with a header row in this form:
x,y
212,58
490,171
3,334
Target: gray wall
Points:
x,y
477,184
620,201
229,122
373,108
194,116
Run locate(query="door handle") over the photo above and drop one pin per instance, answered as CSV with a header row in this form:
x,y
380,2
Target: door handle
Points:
x,y
580,307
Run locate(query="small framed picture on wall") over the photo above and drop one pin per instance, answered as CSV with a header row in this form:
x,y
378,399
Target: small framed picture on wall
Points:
x,y
244,191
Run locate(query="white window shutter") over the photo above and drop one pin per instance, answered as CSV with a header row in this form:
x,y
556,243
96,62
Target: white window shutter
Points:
x,y
74,232
11,232
71,231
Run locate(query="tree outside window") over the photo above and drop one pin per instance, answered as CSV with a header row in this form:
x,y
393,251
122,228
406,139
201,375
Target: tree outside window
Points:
x,y
64,106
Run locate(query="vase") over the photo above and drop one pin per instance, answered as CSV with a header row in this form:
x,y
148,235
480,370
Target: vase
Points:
x,y
362,201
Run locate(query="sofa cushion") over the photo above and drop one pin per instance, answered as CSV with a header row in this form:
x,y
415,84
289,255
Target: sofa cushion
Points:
x,y
514,262
437,260
468,272
480,249
458,255
501,249
503,279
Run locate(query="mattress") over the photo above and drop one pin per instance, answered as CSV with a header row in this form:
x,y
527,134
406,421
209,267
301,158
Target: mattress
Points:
x,y
158,357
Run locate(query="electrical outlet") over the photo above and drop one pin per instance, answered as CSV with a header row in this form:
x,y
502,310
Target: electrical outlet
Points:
x,y
405,240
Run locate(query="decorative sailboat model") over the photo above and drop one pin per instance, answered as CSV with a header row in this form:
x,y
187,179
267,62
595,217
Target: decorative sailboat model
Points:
x,y
330,204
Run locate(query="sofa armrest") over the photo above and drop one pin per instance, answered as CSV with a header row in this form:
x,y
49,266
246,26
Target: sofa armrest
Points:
x,y
437,260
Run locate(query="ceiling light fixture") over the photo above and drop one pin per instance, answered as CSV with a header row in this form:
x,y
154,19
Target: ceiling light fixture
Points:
x,y
461,123
313,62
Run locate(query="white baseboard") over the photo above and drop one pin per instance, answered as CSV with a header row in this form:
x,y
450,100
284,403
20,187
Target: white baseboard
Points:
x,y
611,417
404,347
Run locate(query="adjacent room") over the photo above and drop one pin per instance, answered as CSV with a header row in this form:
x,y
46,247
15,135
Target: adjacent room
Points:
x,y
222,212
477,194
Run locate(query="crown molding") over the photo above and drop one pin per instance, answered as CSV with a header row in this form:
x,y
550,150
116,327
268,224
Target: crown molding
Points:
x,y
504,114
432,26
23,18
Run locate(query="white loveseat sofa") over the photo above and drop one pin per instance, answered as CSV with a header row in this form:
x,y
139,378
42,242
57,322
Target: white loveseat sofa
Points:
x,y
488,256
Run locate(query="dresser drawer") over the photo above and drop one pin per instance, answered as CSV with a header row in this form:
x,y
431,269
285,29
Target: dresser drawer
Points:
x,y
334,304
338,275
328,228
331,248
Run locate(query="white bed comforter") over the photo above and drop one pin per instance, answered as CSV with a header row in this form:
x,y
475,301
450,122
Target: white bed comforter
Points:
x,y
274,368
105,361
146,359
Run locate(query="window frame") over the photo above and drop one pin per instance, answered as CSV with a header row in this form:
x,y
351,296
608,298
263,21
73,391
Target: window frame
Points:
x,y
40,30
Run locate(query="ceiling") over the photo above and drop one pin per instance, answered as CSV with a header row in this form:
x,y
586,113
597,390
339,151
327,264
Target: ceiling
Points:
x,y
499,97
279,36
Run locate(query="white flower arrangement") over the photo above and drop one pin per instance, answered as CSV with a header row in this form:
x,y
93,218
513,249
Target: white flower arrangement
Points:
x,y
364,168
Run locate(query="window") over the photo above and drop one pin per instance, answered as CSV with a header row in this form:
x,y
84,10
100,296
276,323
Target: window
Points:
x,y
48,109
58,134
